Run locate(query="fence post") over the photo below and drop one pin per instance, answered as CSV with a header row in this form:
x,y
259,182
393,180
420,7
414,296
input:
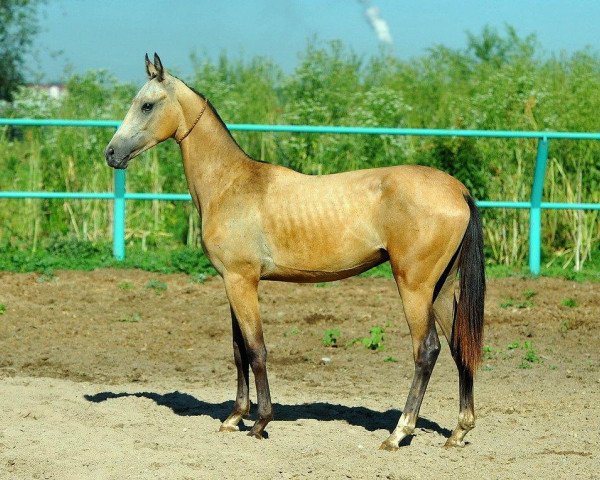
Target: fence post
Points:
x,y
119,216
535,212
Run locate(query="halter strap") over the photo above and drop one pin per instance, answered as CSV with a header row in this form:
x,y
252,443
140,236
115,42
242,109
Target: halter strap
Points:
x,y
195,122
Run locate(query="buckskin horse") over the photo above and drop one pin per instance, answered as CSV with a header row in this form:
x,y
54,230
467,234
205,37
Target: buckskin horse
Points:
x,y
266,222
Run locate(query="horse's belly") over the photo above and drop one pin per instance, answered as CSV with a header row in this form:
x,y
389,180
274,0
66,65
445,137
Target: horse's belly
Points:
x,y
339,253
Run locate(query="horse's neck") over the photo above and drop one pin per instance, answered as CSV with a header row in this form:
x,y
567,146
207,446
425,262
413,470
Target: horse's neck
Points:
x,y
212,161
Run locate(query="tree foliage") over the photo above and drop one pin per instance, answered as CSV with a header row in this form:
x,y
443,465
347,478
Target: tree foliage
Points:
x,y
18,26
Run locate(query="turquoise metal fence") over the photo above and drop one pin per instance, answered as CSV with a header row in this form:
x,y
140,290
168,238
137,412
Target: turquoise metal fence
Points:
x,y
535,205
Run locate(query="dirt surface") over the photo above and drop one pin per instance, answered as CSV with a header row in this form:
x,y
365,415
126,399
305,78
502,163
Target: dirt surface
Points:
x,y
126,374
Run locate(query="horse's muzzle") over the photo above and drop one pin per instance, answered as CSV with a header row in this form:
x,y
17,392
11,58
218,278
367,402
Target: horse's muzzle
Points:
x,y
114,159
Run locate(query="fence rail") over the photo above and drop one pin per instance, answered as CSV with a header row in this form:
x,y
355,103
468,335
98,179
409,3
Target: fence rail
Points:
x,y
535,205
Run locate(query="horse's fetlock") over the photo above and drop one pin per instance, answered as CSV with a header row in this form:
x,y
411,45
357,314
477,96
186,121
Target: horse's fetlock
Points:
x,y
241,409
266,417
466,421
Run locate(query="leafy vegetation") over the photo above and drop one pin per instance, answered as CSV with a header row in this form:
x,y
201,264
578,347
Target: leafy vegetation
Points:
x,y
200,277
331,337
530,356
160,260
565,326
375,339
529,294
488,352
157,286
499,80
296,331
126,285
132,318
524,302
569,302
509,302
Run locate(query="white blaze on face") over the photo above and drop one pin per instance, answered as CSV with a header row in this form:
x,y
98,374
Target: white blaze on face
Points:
x,y
379,25
135,120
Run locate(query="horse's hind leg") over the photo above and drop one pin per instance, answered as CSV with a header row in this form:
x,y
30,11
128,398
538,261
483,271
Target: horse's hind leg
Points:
x,y
242,400
426,347
444,309
466,416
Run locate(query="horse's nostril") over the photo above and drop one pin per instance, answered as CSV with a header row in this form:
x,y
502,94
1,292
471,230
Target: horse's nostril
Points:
x,y
110,151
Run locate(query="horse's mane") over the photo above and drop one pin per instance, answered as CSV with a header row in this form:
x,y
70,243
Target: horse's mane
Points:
x,y
211,106
218,117
214,110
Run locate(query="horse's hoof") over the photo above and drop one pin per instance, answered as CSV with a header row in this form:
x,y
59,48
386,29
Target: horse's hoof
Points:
x,y
389,446
254,434
451,442
229,428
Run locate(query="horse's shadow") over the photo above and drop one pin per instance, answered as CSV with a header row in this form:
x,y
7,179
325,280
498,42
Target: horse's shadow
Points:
x,y
187,405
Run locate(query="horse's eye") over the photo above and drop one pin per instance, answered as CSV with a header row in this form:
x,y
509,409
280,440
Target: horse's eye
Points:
x,y
146,107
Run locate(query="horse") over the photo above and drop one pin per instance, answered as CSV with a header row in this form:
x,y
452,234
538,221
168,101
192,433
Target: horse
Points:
x,y
262,221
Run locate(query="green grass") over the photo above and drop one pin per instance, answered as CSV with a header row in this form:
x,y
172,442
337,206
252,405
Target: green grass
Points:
x,y
529,294
506,303
569,302
47,275
132,318
199,277
380,271
126,286
156,285
292,332
530,355
327,284
565,326
71,254
511,302
590,272
2,309
87,256
488,352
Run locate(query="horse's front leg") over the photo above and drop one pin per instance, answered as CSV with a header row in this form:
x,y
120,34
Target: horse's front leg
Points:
x,y
242,292
242,400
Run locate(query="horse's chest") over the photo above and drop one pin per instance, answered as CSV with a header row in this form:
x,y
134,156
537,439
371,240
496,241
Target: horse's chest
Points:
x,y
231,241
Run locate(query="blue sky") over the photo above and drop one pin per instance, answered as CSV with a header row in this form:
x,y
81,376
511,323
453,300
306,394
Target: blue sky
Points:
x,y
115,34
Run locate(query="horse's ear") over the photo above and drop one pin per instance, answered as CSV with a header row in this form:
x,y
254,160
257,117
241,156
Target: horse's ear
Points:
x,y
160,70
150,68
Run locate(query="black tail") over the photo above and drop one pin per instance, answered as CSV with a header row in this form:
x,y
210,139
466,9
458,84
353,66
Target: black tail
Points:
x,y
467,335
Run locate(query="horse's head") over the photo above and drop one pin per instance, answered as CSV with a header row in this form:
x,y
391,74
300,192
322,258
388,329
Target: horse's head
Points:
x,y
154,116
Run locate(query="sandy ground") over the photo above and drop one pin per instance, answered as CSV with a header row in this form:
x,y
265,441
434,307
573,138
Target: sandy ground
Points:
x,y
125,374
